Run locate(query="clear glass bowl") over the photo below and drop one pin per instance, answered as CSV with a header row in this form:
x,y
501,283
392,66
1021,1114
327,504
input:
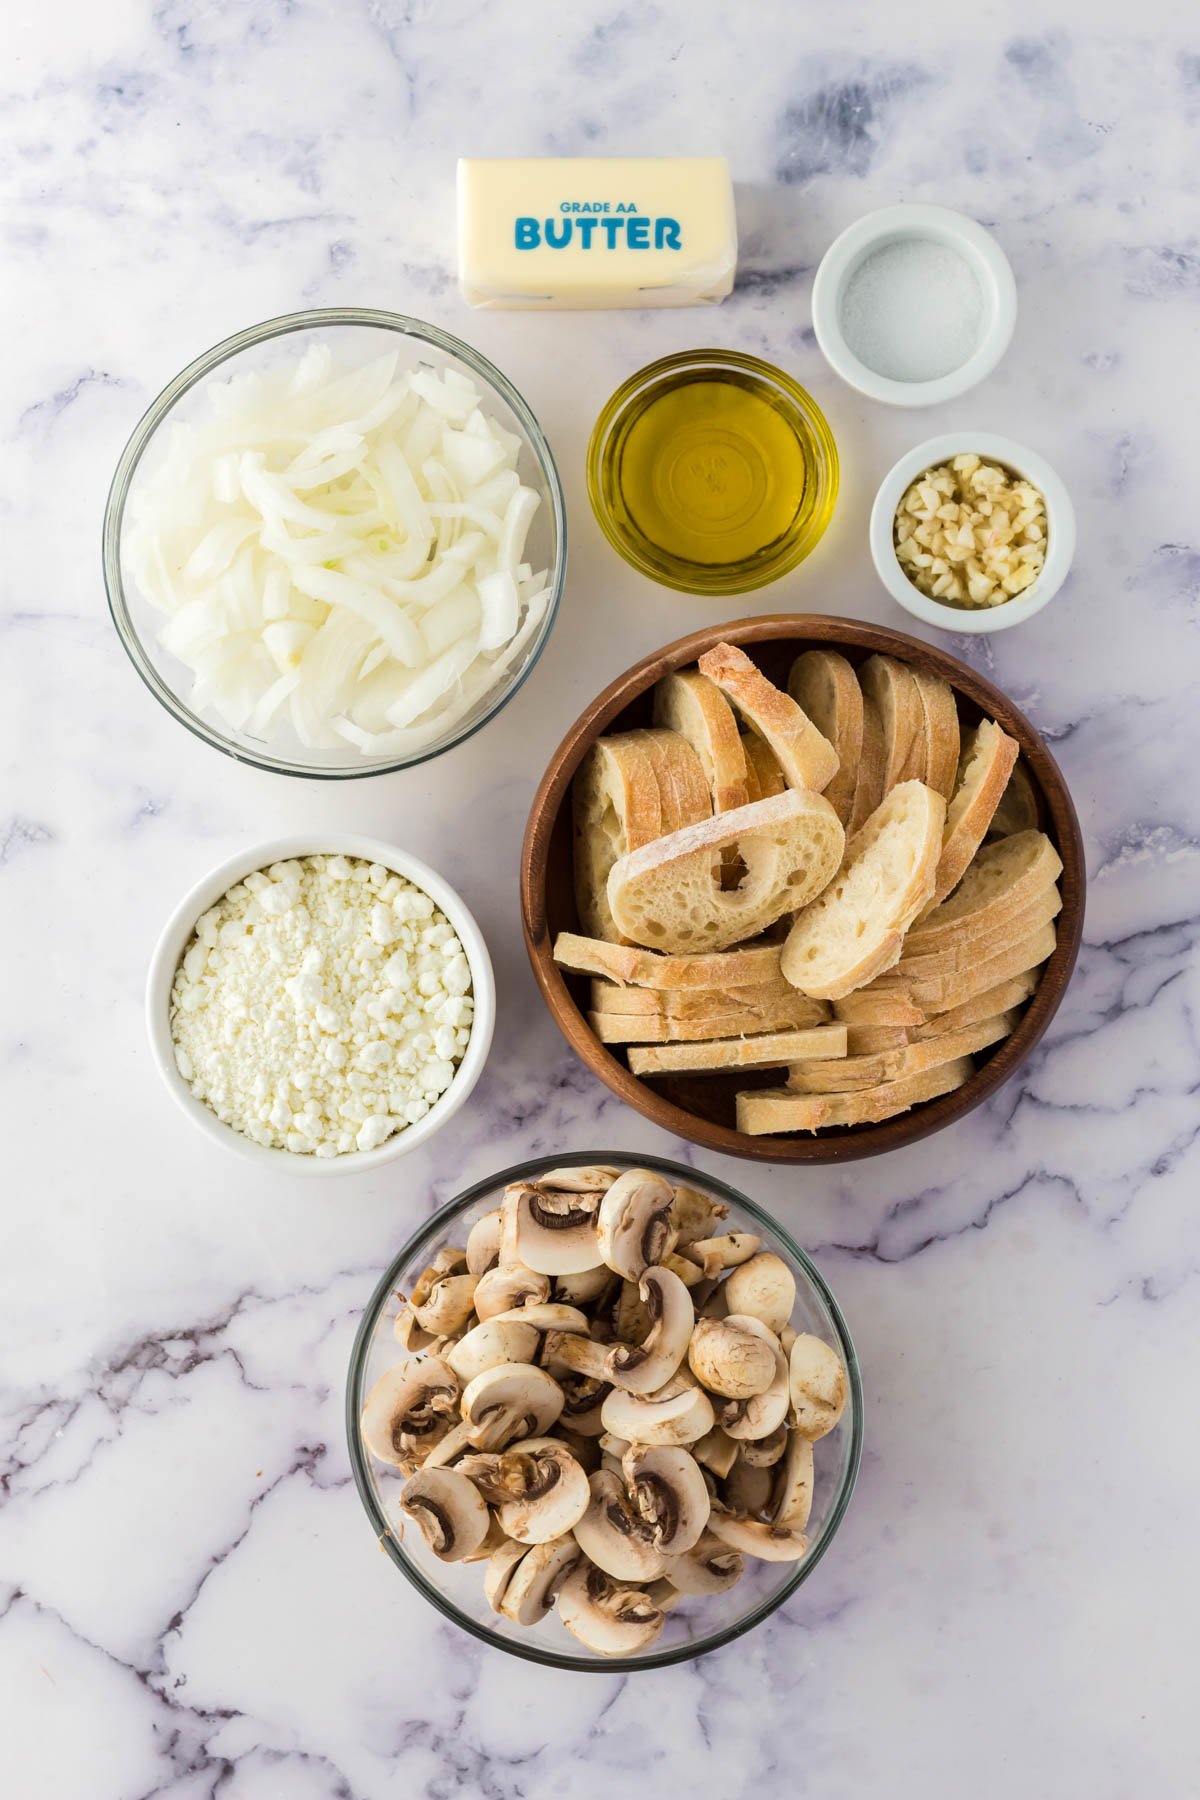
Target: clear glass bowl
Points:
x,y
356,333
698,1624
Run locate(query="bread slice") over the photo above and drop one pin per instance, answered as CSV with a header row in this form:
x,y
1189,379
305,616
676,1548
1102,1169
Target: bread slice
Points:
x,y
999,885
686,702
683,793
848,1074
768,1110
1006,996
983,771
939,711
808,759
631,965
762,766
702,1003
878,1006
665,895
825,687
945,992
964,952
855,929
868,784
893,687
1018,808
722,1024
772,1050
616,806
869,1040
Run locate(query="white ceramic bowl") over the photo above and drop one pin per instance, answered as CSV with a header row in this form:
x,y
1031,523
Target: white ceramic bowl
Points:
x,y
934,224
174,940
1060,532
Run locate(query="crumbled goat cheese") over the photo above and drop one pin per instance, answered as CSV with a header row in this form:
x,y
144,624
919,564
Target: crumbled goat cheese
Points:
x,y
321,1006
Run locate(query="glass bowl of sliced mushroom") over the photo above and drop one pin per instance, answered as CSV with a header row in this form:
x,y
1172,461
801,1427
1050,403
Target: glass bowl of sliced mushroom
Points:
x,y
603,1412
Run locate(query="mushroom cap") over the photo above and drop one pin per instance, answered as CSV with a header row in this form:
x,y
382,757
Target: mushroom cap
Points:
x,y
695,1215
669,1492
483,1242
757,1537
547,1315
584,1287
678,1414
511,1400
535,1579
589,1178
765,1288
731,1359
555,1496
507,1286
644,1368
550,1230
448,1304
634,1222
764,1453
501,1565
409,1333
762,1414
818,1386
614,1535
709,1567
607,1618
487,1345
409,1409
451,1512
792,1485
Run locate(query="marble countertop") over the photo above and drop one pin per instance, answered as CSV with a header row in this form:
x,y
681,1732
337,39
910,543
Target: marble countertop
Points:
x,y
191,1601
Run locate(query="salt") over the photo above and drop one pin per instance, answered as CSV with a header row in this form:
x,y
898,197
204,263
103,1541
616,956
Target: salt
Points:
x,y
912,310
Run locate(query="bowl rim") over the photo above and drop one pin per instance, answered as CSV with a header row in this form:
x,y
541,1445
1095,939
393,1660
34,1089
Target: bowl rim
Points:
x,y
532,1652
1060,531
946,225
177,930
158,412
852,1143
721,582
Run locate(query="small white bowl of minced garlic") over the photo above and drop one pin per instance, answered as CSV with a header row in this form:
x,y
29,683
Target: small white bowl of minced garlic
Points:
x,y
972,532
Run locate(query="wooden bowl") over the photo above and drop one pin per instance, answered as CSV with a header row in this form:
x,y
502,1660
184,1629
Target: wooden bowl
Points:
x,y
701,1107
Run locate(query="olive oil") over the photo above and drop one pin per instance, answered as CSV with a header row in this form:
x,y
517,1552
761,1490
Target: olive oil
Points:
x,y
713,472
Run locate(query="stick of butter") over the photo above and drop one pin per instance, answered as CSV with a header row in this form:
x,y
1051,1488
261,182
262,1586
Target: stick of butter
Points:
x,y
595,231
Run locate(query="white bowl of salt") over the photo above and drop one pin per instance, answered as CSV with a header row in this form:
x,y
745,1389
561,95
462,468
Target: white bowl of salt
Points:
x,y
913,305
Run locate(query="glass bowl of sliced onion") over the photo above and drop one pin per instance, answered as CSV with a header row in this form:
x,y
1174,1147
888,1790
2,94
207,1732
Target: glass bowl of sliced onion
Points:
x,y
335,544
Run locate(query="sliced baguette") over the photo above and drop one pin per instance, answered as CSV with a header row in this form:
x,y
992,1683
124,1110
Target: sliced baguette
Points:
x,y
768,1110
825,687
963,952
848,1074
686,702
808,759
762,766
855,929
893,688
878,1006
985,766
999,885
635,967
772,1050
1004,997
944,993
616,807
868,784
705,1003
664,894
683,794
869,1040
644,1028
1018,808
939,712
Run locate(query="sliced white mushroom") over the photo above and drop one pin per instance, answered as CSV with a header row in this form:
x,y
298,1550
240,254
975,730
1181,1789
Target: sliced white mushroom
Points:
x,y
792,1484
450,1511
508,1286
818,1386
572,1351
709,1567
555,1492
586,1288
764,1453
446,1305
583,1399
757,1537
631,1321
717,1451
498,1340
589,1178
716,1305
669,1494
502,1564
491,1543
730,1358
718,1253
613,1446
787,1339
695,1215
546,1315
510,1400
678,1414
765,1288
746,1489
634,1224
607,1618
530,1589
584,1448
690,1273
613,1533
483,1242
763,1413
663,1594
408,1333
550,1230
409,1409
644,1368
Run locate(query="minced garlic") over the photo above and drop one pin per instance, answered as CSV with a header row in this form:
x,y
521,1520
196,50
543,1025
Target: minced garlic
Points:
x,y
971,533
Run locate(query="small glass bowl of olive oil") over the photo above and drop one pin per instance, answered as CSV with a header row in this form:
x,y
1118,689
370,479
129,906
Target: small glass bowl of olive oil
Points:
x,y
712,472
